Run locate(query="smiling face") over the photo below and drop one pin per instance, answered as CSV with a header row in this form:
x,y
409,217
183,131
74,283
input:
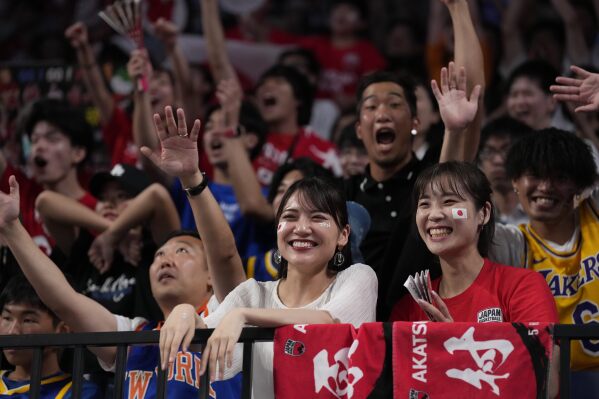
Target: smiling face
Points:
x,y
21,318
179,273
447,221
276,101
384,125
307,238
112,200
546,199
529,104
53,156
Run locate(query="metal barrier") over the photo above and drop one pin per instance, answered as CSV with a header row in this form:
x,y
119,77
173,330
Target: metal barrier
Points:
x,y
122,340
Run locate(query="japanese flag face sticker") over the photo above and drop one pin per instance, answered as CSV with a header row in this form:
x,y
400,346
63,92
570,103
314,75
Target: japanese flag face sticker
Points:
x,y
459,213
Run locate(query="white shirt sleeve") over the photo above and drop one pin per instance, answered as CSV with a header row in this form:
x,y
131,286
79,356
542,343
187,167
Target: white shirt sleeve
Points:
x,y
354,296
122,324
509,246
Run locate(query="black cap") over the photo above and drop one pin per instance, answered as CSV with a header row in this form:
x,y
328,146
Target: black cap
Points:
x,y
131,179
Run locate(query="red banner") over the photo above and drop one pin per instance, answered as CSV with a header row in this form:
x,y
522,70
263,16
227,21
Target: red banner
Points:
x,y
412,360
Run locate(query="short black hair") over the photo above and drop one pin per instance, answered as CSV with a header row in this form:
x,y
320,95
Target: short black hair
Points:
x,y
404,81
504,127
324,195
311,61
303,91
461,178
552,153
251,119
349,138
180,233
18,291
306,166
552,25
69,119
538,71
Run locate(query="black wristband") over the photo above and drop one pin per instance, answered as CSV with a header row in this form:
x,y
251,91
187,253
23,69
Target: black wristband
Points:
x,y
197,190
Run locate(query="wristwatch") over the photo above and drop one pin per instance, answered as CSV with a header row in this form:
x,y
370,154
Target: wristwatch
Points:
x,y
197,190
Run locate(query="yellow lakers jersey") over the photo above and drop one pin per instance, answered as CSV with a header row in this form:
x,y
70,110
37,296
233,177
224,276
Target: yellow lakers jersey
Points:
x,y
573,277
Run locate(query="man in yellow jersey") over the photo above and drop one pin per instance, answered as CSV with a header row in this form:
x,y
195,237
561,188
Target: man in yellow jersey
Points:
x,y
24,313
550,169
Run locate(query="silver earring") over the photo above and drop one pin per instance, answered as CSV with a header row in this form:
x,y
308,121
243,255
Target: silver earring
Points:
x,y
338,259
414,132
276,256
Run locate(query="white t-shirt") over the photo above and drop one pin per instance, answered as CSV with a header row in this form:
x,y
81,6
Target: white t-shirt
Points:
x,y
350,298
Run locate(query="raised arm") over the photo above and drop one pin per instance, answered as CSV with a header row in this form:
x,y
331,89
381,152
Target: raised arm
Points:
x,y
512,36
63,216
179,158
469,55
577,49
153,207
241,172
92,76
220,63
81,313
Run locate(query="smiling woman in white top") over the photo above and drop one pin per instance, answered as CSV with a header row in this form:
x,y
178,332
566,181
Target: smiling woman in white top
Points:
x,y
316,286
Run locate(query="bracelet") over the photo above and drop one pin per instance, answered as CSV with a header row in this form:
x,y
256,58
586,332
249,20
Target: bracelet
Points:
x,y
197,190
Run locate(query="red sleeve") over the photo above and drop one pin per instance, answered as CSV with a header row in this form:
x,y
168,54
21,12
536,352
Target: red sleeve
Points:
x,y
531,299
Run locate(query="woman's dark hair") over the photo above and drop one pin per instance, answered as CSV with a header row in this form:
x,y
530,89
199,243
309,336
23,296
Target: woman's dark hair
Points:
x,y
552,154
463,179
305,166
18,291
323,195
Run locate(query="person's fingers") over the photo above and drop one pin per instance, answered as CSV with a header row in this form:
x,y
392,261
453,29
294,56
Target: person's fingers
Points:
x,y
436,91
171,125
213,358
566,97
14,187
452,76
444,81
205,356
431,310
474,96
195,131
462,79
565,81
151,155
182,125
441,305
178,336
229,355
164,345
564,89
187,338
587,108
579,71
160,130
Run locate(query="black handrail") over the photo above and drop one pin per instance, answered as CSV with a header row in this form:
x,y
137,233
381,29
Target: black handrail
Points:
x,y
565,333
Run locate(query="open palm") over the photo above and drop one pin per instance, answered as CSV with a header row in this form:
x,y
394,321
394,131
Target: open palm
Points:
x,y
583,90
179,153
457,111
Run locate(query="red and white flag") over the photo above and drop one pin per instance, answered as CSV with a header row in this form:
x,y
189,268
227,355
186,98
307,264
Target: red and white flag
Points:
x,y
459,213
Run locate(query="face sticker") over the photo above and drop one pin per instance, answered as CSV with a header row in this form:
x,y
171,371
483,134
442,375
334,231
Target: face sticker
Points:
x,y
459,213
281,226
325,224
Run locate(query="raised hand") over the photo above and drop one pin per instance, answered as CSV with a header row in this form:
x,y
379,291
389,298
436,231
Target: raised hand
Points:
x,y
583,90
9,204
101,252
139,64
77,34
179,154
439,312
229,95
167,32
457,111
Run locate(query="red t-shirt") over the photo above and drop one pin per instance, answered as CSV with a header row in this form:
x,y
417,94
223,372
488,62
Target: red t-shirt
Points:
x,y
29,190
308,144
341,68
498,294
118,136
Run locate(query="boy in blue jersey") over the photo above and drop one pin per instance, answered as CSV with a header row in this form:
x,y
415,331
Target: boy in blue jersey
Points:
x,y
24,313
